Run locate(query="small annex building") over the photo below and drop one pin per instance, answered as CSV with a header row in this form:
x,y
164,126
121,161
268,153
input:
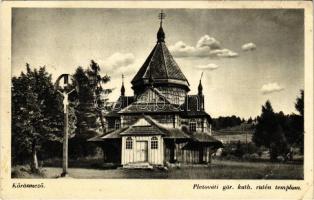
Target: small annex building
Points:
x,y
161,123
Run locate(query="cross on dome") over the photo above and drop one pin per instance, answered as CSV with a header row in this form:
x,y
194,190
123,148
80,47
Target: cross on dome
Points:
x,y
161,33
161,16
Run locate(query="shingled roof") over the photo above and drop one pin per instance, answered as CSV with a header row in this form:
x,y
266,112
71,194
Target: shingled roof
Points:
x,y
160,65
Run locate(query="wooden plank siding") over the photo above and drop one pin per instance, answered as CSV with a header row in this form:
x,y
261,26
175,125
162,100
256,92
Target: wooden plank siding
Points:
x,y
154,156
163,154
191,156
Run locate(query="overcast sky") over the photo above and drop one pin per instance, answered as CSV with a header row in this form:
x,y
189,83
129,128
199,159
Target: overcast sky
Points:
x,y
248,56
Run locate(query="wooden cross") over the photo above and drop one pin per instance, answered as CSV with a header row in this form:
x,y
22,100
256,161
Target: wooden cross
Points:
x,y
161,16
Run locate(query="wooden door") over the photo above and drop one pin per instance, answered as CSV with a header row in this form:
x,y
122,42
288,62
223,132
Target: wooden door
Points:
x,y
141,151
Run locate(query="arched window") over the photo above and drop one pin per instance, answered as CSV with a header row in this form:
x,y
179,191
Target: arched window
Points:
x,y
117,124
154,143
128,143
192,126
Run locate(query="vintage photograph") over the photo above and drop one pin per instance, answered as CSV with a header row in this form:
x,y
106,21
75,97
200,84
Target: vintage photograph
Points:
x,y
151,93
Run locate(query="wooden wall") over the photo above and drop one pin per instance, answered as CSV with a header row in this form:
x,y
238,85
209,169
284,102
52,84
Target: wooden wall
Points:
x,y
155,156
202,124
188,155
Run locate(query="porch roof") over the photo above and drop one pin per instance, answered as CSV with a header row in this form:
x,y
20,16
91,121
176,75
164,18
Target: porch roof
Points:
x,y
111,135
142,130
204,137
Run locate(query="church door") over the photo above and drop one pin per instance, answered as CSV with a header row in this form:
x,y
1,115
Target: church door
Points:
x,y
141,151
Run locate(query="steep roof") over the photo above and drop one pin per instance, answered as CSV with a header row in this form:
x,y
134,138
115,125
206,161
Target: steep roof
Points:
x,y
160,65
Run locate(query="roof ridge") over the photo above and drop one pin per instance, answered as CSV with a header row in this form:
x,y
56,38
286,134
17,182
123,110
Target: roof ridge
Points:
x,y
163,55
139,73
155,123
150,60
176,64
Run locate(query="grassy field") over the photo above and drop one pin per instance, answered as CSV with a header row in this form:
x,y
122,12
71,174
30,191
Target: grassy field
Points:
x,y
233,136
217,170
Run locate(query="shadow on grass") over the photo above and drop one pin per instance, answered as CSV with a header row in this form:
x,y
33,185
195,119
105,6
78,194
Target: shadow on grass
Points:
x,y
94,168
86,163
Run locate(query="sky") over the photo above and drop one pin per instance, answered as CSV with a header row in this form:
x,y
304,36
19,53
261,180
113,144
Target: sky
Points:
x,y
248,56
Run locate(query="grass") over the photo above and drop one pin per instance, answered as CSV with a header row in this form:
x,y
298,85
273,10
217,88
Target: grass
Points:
x,y
219,169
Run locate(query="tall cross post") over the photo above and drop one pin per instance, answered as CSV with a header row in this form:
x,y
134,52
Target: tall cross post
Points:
x,y
65,93
161,16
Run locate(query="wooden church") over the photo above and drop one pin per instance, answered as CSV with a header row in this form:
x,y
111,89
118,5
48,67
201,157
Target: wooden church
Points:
x,y
161,123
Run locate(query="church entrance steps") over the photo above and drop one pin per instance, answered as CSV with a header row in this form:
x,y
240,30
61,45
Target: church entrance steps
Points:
x,y
138,165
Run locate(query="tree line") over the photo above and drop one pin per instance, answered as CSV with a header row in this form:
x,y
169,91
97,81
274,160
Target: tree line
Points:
x,y
226,122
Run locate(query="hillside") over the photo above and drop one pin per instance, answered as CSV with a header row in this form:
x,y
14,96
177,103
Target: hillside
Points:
x,y
242,133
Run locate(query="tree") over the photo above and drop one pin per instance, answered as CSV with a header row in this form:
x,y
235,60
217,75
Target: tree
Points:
x,y
36,114
90,97
226,122
278,145
85,110
299,105
89,109
265,127
298,121
96,81
250,120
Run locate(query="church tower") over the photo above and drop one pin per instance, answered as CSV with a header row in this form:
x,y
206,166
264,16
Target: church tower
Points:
x,y
163,69
122,87
201,95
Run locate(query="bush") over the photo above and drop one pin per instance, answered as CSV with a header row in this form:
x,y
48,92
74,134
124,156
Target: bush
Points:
x,y
253,156
24,171
241,151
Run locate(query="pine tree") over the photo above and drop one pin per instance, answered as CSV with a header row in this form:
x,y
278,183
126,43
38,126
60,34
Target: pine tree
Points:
x,y
85,110
91,102
299,121
299,105
278,145
96,81
266,126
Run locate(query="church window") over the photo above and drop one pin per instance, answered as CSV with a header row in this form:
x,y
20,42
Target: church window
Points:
x,y
117,124
192,126
154,143
129,143
176,97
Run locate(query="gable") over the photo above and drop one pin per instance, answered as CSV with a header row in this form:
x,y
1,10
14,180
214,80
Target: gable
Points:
x,y
142,122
